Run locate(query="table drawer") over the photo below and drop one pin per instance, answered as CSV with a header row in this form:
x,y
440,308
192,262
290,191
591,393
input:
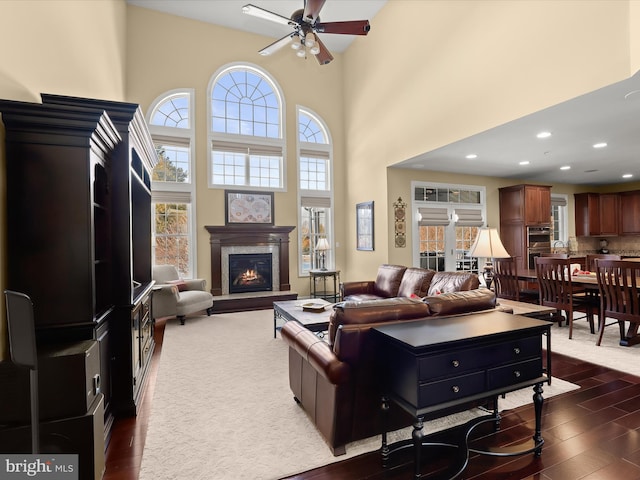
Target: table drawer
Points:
x,y
461,361
450,389
451,363
514,373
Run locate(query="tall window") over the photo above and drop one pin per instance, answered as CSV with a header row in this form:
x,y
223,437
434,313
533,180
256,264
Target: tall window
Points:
x,y
246,130
447,221
172,188
314,190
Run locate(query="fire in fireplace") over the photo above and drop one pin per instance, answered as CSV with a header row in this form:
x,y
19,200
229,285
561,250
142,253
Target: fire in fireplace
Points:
x,y
250,272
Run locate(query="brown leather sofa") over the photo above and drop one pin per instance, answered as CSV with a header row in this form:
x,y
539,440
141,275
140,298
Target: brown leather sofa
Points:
x,y
400,281
336,379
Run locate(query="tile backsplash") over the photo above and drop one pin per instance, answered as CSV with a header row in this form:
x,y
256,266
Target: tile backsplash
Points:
x,y
626,246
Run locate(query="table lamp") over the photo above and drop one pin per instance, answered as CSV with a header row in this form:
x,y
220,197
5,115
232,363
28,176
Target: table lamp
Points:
x,y
322,246
489,246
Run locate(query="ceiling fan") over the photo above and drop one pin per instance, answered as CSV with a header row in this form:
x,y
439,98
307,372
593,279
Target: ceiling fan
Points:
x,y
306,26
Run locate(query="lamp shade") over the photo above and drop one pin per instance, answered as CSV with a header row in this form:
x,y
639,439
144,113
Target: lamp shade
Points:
x,y
323,244
488,245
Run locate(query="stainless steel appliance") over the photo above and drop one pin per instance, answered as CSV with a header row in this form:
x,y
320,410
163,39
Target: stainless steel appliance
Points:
x,y
538,241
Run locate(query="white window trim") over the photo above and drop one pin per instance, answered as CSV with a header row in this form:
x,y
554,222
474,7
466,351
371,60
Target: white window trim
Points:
x,y
415,205
564,218
246,139
172,191
327,149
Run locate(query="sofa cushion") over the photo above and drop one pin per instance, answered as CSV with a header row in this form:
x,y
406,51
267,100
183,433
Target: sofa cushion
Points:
x,y
375,311
415,281
446,282
461,302
388,280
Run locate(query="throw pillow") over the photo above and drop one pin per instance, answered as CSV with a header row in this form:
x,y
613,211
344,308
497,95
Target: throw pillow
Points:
x,y
181,284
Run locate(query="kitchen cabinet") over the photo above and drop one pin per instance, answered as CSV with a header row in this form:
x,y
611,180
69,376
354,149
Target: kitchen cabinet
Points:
x,y
537,205
597,214
630,213
522,206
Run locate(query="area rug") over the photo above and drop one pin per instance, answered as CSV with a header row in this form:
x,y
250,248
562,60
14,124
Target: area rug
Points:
x,y
222,406
583,346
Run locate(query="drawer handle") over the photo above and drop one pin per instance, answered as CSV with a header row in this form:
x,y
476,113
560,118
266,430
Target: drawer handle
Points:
x,y
455,363
455,389
516,350
517,374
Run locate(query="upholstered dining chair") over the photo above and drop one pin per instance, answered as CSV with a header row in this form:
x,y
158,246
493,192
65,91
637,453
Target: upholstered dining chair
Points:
x,y
618,285
557,290
505,281
173,296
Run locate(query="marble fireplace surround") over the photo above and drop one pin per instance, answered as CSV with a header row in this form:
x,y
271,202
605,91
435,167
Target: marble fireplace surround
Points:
x,y
248,238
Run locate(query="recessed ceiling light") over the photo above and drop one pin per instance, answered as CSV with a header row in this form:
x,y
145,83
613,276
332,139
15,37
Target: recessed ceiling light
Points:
x,y
600,145
524,162
627,175
565,167
471,156
543,135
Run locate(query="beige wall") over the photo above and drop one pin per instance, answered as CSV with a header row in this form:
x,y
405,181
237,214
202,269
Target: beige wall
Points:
x,y
62,47
394,94
186,55
469,67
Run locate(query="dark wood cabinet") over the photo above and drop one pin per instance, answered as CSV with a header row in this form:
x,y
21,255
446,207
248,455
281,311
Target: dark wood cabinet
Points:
x,y
597,214
537,205
522,206
132,162
79,227
630,213
587,214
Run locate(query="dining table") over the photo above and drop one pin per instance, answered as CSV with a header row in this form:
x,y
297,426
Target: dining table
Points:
x,y
589,281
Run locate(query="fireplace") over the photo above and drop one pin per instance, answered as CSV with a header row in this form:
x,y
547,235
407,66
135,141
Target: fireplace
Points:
x,y
230,240
250,272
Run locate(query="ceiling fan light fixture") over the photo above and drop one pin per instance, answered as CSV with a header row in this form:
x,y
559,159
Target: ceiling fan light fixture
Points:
x,y
301,52
309,40
314,50
296,44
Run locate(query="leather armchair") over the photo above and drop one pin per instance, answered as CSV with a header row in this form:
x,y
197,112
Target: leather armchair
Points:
x,y
173,296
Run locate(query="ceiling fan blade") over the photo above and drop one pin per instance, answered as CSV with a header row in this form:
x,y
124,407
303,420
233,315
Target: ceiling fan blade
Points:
x,y
266,15
312,10
323,56
277,45
352,27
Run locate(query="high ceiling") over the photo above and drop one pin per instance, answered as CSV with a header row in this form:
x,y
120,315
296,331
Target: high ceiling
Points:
x,y
611,114
228,13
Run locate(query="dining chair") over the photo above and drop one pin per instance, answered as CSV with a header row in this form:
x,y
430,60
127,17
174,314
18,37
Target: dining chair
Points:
x,y
556,290
590,259
593,296
554,255
505,281
618,286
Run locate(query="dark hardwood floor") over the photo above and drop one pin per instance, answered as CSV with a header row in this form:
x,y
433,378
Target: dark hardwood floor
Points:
x,y
590,434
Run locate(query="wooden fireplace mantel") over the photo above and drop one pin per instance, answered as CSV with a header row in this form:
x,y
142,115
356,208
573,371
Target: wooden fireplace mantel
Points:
x,y
248,235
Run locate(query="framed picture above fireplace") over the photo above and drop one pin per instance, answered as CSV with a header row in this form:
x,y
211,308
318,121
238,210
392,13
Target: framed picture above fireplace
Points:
x,y
242,207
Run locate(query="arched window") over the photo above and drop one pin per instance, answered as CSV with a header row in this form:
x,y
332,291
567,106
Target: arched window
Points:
x,y
172,187
246,129
315,185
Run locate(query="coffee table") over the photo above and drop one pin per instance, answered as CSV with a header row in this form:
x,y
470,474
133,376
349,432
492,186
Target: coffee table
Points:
x,y
316,321
532,310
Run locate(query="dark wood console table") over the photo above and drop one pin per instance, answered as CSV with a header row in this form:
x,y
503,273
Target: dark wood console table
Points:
x,y
437,364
